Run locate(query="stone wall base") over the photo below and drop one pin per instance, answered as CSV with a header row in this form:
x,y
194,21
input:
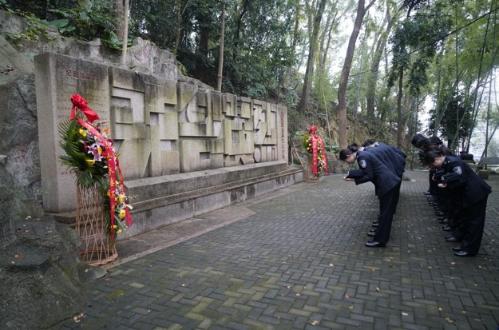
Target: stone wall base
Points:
x,y
168,199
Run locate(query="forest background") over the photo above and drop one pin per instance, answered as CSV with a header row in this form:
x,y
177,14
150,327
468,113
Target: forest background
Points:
x,y
382,69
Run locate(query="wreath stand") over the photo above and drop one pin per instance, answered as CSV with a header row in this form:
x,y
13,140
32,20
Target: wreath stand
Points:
x,y
97,247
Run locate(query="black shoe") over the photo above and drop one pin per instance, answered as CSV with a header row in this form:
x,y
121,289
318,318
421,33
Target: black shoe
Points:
x,y
374,244
427,193
446,228
456,248
371,233
375,224
463,253
451,238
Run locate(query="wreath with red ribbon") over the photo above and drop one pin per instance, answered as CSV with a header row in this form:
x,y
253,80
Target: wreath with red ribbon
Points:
x,y
315,146
90,155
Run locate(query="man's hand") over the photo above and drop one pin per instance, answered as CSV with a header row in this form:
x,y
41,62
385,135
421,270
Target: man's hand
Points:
x,y
347,179
442,185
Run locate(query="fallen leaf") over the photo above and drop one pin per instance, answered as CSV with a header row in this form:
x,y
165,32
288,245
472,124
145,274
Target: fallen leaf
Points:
x,y
377,289
404,314
314,322
77,318
440,309
448,319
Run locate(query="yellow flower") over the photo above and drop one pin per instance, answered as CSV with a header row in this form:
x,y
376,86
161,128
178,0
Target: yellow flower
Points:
x,y
99,150
119,231
83,132
122,214
121,198
90,162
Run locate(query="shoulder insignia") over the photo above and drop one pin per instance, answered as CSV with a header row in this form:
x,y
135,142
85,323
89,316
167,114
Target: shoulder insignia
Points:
x,y
458,170
362,163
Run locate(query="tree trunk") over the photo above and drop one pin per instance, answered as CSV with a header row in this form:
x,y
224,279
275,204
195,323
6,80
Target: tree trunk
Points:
x,y
221,52
326,50
324,33
119,9
237,35
178,25
125,31
312,49
345,72
296,26
400,121
373,78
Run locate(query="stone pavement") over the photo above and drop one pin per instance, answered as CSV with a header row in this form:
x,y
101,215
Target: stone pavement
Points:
x,y
297,261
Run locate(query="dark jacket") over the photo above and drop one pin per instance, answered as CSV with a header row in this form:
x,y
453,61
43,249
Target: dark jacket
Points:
x,y
393,157
376,171
461,179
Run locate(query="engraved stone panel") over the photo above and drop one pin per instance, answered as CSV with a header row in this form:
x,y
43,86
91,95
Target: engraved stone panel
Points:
x,y
132,138
161,100
57,77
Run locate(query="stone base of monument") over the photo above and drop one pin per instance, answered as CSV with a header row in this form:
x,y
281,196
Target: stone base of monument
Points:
x,y
164,200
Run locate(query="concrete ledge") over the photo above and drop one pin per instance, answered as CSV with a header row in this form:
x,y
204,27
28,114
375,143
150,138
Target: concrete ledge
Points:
x,y
169,199
162,210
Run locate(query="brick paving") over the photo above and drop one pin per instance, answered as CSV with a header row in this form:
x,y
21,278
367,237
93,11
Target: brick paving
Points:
x,y
299,262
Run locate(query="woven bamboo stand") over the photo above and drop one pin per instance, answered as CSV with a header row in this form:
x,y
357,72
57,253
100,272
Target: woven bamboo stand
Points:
x,y
307,169
97,248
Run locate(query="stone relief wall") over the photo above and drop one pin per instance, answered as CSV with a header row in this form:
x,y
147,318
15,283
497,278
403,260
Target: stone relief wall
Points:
x,y
160,126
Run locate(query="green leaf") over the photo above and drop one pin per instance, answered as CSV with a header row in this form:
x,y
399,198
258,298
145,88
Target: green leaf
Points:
x,y
59,23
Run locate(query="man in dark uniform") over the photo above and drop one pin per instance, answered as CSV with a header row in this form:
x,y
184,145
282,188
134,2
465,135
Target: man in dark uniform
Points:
x,y
386,183
471,192
394,158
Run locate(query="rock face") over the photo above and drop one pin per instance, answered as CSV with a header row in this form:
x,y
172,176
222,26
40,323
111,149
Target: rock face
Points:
x,y
20,179
39,275
39,269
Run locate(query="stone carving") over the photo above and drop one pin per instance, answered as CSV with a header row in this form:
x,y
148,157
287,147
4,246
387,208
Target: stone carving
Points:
x,y
159,126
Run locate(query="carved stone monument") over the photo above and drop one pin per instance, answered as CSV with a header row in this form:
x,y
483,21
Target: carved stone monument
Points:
x,y
162,129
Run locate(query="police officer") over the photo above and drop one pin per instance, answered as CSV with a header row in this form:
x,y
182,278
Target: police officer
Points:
x,y
472,193
386,183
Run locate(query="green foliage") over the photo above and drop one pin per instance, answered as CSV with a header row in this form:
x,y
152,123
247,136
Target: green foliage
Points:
x,y
88,172
88,22
456,119
34,30
257,40
415,42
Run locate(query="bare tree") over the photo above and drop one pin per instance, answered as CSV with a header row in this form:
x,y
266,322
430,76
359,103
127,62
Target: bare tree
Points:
x,y
221,52
345,72
312,49
376,59
126,5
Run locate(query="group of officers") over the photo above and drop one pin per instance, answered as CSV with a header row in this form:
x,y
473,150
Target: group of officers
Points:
x,y
457,193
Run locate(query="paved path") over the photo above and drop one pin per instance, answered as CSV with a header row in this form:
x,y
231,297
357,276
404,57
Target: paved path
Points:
x,y
298,261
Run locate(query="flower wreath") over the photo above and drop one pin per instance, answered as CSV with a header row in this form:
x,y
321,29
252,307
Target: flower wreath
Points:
x,y
90,155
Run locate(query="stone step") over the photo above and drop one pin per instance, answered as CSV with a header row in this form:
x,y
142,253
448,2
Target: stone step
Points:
x,y
150,188
168,199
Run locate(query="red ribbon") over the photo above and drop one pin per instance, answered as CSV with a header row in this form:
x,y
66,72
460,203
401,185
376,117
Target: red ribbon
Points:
x,y
317,143
79,103
113,166
315,154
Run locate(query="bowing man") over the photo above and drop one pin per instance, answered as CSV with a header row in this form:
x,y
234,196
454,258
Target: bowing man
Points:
x,y
472,193
386,183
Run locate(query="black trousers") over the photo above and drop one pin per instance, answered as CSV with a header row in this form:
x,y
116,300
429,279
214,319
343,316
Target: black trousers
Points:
x,y
387,207
474,221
